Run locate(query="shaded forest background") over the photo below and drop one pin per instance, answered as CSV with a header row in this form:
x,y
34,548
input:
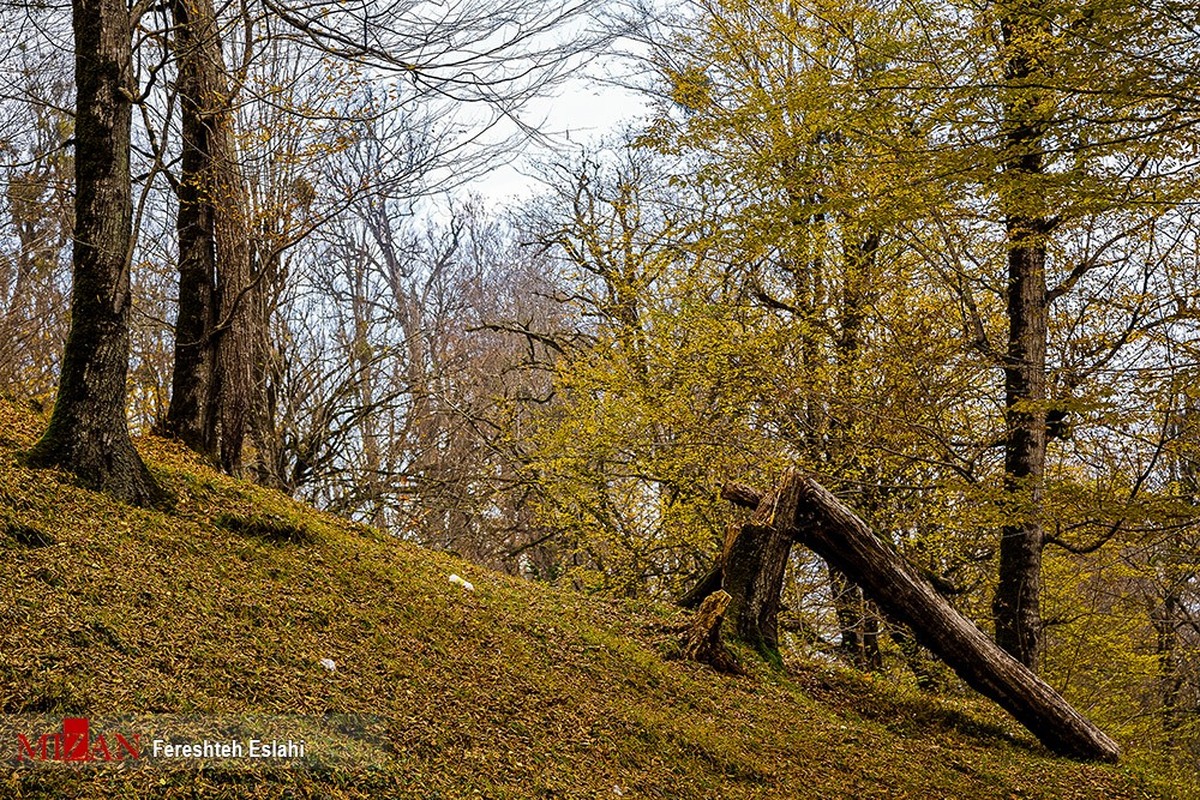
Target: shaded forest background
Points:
x,y
942,256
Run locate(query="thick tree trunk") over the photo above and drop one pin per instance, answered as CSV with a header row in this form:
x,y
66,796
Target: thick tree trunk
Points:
x,y
754,572
1165,619
88,432
834,532
190,417
1016,605
211,385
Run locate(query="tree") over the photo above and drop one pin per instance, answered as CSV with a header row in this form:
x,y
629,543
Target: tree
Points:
x,y
88,432
1017,606
1035,196
1082,162
645,414
792,116
212,381
492,59
35,262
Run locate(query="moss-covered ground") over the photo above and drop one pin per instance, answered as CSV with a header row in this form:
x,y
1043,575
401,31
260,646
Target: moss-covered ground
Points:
x,y
224,608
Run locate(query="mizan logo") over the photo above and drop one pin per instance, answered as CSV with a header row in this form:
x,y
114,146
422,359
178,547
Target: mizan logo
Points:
x,y
75,743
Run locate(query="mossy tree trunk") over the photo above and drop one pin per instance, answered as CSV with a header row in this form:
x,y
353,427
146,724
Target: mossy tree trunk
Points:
x,y
88,432
755,564
1017,602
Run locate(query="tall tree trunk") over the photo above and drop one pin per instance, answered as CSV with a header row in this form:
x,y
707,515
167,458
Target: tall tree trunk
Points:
x,y
189,416
1017,602
1165,619
211,385
88,432
1169,612
858,619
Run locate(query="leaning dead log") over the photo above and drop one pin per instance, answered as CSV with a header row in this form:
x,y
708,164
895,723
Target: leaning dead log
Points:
x,y
834,532
703,641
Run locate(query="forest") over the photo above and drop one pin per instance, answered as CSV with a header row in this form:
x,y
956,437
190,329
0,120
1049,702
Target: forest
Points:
x,y
941,256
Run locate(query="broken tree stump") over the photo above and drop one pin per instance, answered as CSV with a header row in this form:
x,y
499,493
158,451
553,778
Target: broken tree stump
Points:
x,y
755,562
703,640
859,627
751,567
835,533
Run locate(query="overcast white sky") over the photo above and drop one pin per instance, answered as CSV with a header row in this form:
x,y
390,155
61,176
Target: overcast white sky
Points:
x,y
583,111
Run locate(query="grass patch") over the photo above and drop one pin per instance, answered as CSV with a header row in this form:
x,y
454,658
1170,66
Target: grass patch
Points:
x,y
241,603
27,535
266,527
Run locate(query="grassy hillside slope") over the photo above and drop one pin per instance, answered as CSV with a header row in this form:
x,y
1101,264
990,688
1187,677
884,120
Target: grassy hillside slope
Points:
x,y
224,608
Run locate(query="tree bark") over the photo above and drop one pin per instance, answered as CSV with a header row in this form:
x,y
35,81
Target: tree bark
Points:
x,y
755,564
833,531
703,640
88,432
859,622
751,569
190,416
211,384
1016,604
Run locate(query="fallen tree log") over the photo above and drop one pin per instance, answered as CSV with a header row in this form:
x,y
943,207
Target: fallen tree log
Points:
x,y
834,532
